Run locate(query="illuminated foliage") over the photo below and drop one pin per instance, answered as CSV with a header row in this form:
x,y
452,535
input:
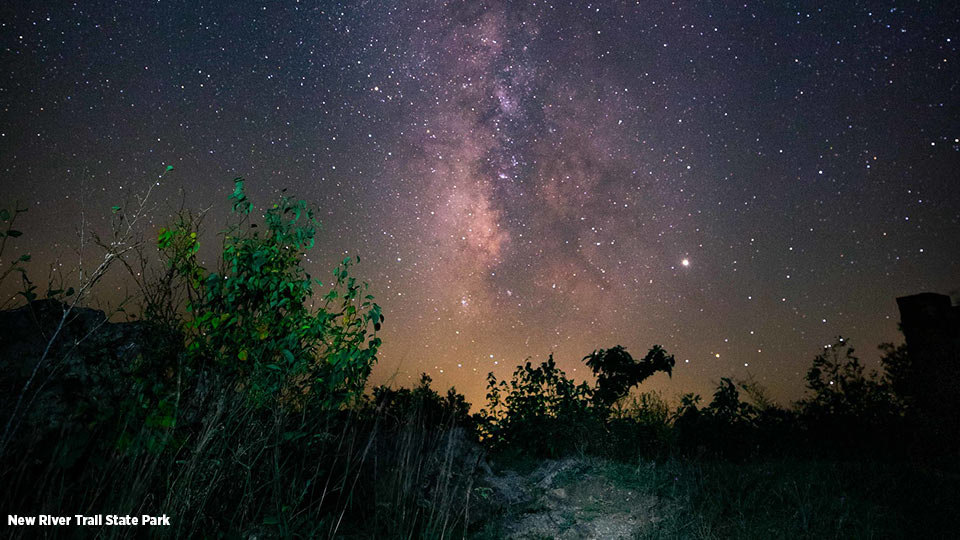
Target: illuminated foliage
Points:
x,y
252,318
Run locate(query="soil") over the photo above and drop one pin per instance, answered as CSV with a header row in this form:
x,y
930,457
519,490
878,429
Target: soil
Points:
x,y
569,498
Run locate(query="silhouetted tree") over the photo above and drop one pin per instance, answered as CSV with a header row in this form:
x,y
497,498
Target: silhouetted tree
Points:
x,y
847,409
839,386
546,413
900,375
617,372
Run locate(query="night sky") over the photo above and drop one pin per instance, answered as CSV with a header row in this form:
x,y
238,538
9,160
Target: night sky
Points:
x,y
738,183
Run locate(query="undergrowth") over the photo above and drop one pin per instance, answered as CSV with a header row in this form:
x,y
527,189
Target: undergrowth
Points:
x,y
238,405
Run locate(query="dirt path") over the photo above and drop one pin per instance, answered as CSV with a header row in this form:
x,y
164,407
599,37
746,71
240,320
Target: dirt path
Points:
x,y
570,498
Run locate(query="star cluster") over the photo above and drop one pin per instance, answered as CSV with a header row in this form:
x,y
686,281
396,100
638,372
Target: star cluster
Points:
x,y
738,183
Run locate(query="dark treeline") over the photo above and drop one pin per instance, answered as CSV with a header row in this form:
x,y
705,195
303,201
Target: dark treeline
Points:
x,y
845,413
237,403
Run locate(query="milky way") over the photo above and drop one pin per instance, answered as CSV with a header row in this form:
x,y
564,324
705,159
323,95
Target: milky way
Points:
x,y
739,184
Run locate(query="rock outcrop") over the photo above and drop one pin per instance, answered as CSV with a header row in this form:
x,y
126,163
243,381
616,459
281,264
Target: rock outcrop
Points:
x,y
84,375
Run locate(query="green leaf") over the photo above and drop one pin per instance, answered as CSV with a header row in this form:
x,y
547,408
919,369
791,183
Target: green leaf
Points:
x,y
4,214
12,233
115,209
273,367
288,356
169,168
25,257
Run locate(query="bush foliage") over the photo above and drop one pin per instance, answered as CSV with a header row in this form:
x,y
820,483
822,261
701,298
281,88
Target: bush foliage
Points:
x,y
243,407
251,318
544,412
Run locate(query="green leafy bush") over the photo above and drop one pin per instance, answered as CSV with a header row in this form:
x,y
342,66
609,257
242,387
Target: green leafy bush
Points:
x,y
252,317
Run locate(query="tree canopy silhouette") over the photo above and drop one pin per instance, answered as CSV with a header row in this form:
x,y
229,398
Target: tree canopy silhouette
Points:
x,y
617,372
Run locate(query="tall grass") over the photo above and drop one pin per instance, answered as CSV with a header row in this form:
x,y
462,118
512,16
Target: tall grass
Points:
x,y
777,498
232,469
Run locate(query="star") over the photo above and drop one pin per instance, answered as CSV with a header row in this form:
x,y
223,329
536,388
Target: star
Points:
x,y
512,180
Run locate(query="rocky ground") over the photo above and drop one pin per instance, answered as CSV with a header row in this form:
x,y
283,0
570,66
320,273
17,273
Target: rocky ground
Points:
x,y
570,498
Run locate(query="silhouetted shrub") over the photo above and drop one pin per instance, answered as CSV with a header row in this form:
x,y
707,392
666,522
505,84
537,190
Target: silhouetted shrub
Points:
x,y
543,412
617,372
846,410
732,428
424,403
640,426
540,411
